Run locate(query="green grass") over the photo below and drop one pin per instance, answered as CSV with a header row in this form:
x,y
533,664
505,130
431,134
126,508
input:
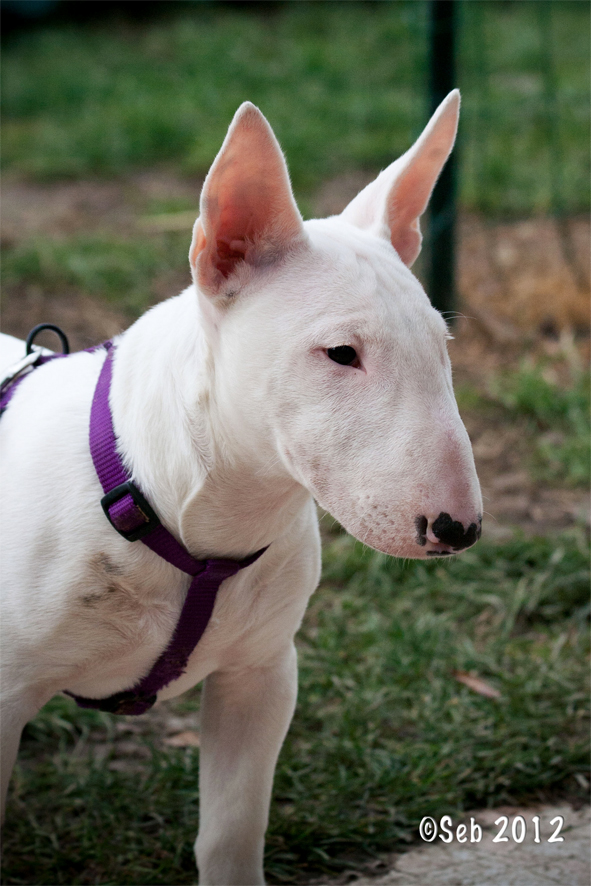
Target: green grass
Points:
x,y
526,106
383,732
556,417
131,271
343,84
560,416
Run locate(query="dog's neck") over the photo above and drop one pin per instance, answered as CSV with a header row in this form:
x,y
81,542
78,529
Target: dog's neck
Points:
x,y
220,495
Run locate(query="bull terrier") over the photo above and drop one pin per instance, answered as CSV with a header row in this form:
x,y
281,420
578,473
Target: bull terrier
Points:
x,y
305,362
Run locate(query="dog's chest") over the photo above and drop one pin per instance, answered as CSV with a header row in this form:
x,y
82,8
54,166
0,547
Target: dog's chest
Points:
x,y
122,608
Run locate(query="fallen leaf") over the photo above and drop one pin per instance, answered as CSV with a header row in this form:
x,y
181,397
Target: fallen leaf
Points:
x,y
476,684
187,739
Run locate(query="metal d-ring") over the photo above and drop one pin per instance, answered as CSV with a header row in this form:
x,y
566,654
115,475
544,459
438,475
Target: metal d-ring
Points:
x,y
59,332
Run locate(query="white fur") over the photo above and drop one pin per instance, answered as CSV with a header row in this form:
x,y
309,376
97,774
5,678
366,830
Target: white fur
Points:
x,y
231,417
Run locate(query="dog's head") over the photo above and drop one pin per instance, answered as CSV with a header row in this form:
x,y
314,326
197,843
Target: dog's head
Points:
x,y
329,356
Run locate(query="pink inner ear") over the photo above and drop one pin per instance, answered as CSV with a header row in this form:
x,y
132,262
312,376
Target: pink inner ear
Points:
x,y
407,242
248,213
228,254
407,201
400,194
240,220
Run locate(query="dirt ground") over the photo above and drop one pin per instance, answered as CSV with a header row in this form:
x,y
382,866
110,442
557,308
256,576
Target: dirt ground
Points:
x,y
523,289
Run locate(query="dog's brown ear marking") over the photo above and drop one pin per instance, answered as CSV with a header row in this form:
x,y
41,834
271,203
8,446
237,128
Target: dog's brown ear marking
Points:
x,y
393,203
248,213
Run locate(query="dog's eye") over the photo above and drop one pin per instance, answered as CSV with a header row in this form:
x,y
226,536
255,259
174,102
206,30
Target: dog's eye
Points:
x,y
344,354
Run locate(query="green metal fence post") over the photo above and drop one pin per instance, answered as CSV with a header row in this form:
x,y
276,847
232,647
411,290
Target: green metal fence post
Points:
x,y
442,79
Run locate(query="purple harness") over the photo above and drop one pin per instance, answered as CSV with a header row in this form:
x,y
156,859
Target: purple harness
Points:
x,y
130,514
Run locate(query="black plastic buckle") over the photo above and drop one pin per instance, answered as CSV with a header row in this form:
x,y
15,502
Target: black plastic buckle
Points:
x,y
147,512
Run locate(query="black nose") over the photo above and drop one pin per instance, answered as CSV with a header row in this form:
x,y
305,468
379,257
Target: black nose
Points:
x,y
451,532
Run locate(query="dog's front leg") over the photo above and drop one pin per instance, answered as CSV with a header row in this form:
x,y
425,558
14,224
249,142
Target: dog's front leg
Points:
x,y
16,709
245,715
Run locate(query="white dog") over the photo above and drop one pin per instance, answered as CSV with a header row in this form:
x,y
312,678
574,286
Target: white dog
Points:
x,y
305,362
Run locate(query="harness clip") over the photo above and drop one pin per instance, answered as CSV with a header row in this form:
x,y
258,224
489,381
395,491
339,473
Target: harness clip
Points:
x,y
146,511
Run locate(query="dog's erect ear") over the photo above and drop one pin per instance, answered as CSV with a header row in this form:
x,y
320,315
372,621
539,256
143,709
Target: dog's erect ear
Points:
x,y
393,203
247,212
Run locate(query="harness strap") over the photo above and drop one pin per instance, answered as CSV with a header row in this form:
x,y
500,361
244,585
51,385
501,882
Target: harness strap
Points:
x,y
20,373
172,662
33,360
133,517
